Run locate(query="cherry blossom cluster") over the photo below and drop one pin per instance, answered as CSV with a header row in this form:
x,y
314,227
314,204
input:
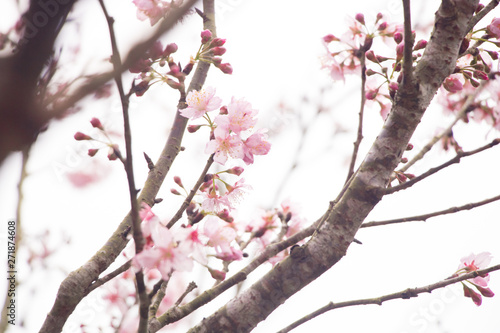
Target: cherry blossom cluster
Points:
x,y
228,127
149,66
476,65
473,263
344,54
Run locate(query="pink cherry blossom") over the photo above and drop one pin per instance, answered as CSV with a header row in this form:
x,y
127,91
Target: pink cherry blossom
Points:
x,y
494,28
224,145
240,116
475,262
220,235
189,238
200,102
237,191
153,10
214,203
452,84
255,144
166,255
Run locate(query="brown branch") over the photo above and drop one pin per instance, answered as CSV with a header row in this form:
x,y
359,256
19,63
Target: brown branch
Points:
x,y
359,136
408,47
129,169
432,171
479,16
109,277
424,217
191,194
405,294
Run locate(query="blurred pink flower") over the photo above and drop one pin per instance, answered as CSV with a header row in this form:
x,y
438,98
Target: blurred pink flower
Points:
x,y
475,262
255,144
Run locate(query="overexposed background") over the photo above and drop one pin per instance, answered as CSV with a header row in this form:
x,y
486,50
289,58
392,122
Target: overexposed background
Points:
x,y
274,48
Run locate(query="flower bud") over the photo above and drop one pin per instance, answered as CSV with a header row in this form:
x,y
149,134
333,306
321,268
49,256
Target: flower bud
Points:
x,y
169,49
96,123
173,84
404,160
474,83
409,146
464,46
421,44
480,75
486,292
479,7
371,94
206,35
360,18
330,38
141,88
174,191
370,55
370,72
379,16
188,68
92,152
113,152
398,37
193,128
399,51
218,51
79,136
178,181
237,170
216,274
382,26
226,68
216,42
223,110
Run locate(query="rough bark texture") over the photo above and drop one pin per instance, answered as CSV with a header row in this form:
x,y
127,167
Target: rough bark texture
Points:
x,y
365,190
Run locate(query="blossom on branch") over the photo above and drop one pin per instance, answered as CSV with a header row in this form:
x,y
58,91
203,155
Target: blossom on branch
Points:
x,y
473,263
200,102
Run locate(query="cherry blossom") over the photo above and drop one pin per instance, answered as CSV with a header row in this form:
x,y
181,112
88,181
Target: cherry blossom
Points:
x,y
255,144
473,263
494,28
166,255
200,102
220,235
224,145
214,202
240,116
153,10
237,191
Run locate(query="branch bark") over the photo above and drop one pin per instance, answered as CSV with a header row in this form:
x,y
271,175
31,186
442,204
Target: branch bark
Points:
x,y
366,189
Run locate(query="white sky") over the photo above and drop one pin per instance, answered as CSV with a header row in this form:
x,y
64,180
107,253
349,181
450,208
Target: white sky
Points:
x,y
274,47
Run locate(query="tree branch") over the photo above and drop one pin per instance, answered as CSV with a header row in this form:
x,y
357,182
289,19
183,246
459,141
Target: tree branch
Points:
x,y
432,171
424,217
479,16
366,187
408,47
405,294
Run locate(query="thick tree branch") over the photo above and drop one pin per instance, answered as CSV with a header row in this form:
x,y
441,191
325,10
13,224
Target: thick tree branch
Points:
x,y
366,188
408,47
404,294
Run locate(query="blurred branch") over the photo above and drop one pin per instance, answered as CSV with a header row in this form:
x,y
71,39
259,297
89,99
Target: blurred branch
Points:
x,y
432,171
405,294
109,277
424,217
408,47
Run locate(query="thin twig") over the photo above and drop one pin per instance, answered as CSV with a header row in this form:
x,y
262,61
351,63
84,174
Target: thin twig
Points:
x,y
158,298
191,286
460,114
192,193
109,276
359,136
432,171
129,169
405,294
424,217
479,16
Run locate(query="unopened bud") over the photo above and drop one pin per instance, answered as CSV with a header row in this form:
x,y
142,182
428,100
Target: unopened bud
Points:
x,y
226,68
193,128
404,160
421,44
174,191
178,181
216,42
398,37
330,38
360,18
170,48
409,146
223,110
237,170
370,55
382,26
79,136
218,51
216,274
92,152
96,123
206,35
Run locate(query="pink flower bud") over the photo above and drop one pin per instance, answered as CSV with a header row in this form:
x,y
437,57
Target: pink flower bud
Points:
x,y
96,123
141,88
409,146
371,94
188,68
155,51
216,274
452,84
382,26
92,152
178,181
224,215
216,61
486,292
79,136
474,83
421,44
170,48
479,8
493,54
174,191
360,18
398,37
404,160
464,46
370,55
226,68
399,51
216,42
330,38
112,153
218,51
223,110
193,128
476,298
370,72
480,75
206,35
379,16
237,170
173,84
